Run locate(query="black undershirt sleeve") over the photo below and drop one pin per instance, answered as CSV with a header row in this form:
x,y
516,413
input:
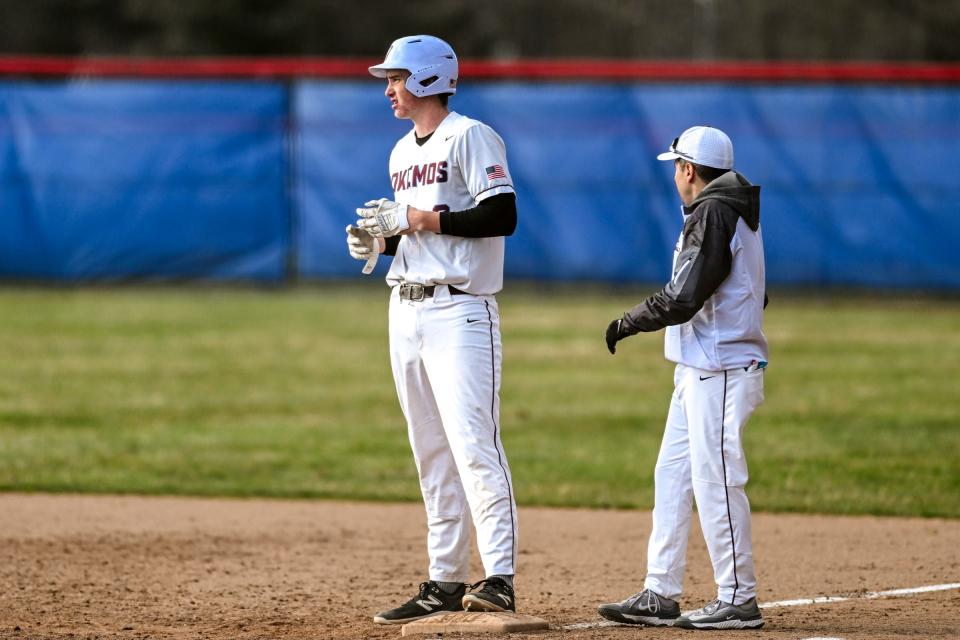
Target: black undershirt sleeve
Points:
x,y
392,243
494,216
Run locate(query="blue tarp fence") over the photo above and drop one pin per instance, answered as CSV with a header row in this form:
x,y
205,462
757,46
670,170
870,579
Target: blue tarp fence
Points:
x,y
147,179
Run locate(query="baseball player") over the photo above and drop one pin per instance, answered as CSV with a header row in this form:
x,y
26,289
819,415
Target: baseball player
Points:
x,y
453,203
712,310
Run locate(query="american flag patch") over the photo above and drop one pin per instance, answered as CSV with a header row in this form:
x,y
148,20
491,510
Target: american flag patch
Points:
x,y
495,171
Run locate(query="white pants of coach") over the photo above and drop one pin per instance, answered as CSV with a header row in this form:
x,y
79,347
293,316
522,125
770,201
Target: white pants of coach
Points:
x,y
446,357
702,457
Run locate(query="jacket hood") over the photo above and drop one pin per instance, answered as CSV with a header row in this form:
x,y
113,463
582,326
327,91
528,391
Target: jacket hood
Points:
x,y
737,192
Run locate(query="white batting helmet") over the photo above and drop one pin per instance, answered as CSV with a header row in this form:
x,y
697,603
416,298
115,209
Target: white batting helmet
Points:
x,y
431,62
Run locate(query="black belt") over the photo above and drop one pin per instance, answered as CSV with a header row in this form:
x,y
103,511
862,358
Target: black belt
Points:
x,y
416,291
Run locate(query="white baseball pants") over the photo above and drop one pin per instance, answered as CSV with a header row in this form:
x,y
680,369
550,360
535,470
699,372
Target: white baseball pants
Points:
x,y
446,357
702,457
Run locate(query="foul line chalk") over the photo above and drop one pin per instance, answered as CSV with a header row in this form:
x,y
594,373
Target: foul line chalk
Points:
x,y
591,625
871,595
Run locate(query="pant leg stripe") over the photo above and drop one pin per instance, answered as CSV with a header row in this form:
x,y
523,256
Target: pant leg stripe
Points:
x,y
726,490
496,427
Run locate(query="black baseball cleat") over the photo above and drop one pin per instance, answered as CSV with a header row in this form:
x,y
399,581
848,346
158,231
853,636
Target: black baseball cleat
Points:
x,y
717,615
430,601
496,595
645,608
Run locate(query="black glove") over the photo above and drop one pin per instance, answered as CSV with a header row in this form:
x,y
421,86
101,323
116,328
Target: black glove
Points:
x,y
613,334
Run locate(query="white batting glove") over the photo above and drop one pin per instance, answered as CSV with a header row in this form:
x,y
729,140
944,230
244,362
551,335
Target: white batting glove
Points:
x,y
360,244
383,218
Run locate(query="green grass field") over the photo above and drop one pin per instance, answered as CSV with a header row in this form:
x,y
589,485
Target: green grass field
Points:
x,y
288,393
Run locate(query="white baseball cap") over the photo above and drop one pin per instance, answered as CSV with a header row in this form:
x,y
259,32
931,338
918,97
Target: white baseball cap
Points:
x,y
702,145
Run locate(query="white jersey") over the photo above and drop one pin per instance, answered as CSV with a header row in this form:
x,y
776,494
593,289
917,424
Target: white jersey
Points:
x,y
463,163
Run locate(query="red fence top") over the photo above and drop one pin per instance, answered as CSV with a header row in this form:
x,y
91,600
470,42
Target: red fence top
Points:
x,y
571,69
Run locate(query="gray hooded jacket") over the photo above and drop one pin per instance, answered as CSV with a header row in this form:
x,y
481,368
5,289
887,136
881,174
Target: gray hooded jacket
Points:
x,y
713,305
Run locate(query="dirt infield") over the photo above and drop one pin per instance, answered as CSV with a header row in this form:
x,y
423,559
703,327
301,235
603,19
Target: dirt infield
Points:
x,y
132,567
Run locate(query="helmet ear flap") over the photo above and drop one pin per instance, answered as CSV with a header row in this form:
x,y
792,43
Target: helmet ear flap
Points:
x,y
429,86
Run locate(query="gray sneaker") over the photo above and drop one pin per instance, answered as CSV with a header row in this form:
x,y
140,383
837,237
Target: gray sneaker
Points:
x,y
645,607
723,615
